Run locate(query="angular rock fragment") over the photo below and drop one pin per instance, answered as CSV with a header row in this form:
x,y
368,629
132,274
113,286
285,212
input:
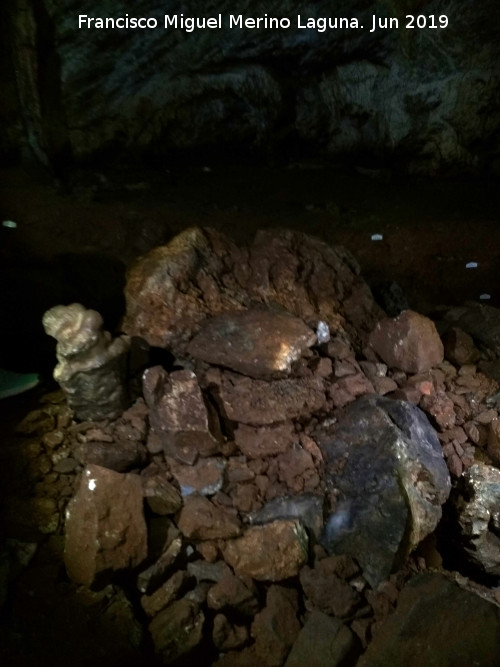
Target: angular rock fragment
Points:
x,y
200,519
234,593
272,552
327,592
259,402
409,341
466,633
259,343
256,442
386,462
476,507
120,456
204,477
307,507
178,414
323,641
177,630
164,595
459,347
105,526
276,627
227,636
161,495
201,273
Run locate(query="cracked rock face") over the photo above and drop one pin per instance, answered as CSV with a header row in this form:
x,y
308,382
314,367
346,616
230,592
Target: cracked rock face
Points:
x,y
386,468
477,508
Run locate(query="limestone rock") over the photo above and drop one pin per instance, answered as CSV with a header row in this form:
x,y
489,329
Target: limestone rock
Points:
x,y
163,596
259,343
386,462
466,632
272,552
92,366
161,495
228,636
307,507
409,342
178,413
105,526
323,641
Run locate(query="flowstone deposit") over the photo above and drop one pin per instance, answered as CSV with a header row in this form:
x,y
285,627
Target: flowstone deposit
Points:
x,y
92,365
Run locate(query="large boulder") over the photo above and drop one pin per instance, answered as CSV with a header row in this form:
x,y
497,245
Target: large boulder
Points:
x,y
172,290
385,463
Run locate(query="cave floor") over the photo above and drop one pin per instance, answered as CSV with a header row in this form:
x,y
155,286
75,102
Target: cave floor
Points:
x,y
431,228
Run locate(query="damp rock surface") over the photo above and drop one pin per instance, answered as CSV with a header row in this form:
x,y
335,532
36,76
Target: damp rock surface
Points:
x,y
105,525
259,343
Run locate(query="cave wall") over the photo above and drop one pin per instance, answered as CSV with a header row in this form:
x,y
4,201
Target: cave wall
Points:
x,y
424,100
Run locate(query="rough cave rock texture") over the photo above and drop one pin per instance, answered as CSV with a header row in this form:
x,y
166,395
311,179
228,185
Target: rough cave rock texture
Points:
x,y
428,96
466,633
105,525
386,462
477,512
201,273
409,341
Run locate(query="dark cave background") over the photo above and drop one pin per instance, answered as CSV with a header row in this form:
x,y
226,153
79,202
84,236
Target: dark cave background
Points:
x,y
112,141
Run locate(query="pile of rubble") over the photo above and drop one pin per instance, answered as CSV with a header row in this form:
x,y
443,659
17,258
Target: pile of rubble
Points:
x,y
270,494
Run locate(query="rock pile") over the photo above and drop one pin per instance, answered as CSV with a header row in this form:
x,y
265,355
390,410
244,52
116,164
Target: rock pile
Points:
x,y
267,491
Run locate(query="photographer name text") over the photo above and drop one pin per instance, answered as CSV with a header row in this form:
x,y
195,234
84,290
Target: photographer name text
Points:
x,y
240,22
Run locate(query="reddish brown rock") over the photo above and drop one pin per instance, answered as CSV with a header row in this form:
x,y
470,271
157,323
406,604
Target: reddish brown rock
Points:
x,y
272,552
296,468
120,456
327,592
204,477
201,273
200,519
260,343
259,402
234,593
323,641
440,407
178,413
161,495
493,447
265,441
105,526
227,636
459,347
177,630
276,627
164,595
409,342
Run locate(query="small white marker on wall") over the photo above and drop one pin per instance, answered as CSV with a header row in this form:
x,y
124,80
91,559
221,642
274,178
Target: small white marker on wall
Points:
x,y
485,297
471,265
377,237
